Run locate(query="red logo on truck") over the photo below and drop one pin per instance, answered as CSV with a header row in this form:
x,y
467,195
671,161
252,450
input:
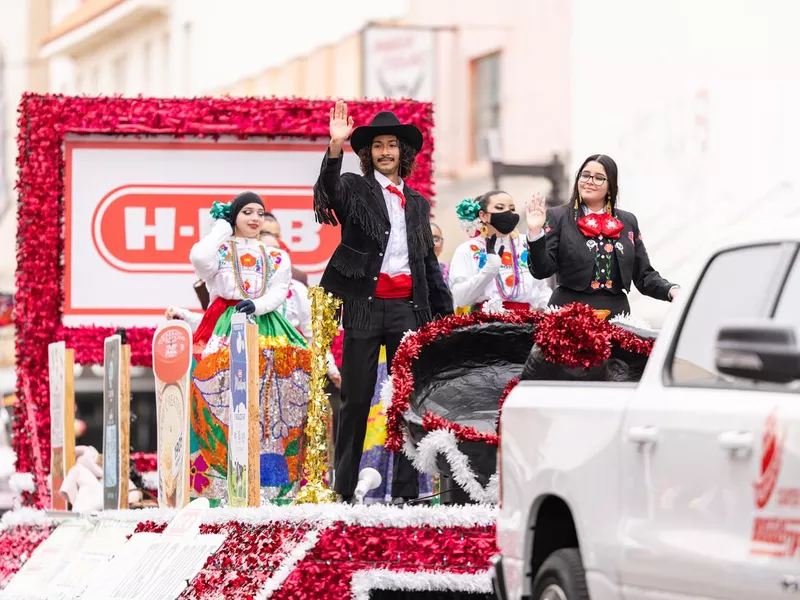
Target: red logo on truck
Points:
x,y
771,456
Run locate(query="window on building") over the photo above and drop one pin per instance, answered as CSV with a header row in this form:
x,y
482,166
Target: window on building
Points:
x,y
485,104
713,305
147,69
187,58
165,65
121,74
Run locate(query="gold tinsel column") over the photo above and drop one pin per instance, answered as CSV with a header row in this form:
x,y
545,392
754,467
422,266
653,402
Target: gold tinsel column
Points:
x,y
315,465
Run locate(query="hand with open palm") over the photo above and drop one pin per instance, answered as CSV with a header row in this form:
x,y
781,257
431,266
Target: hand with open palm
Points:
x,y
341,125
536,212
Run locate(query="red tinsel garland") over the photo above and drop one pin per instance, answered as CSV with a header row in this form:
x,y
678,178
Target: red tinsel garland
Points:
x,y
572,336
17,543
43,122
327,570
144,462
407,353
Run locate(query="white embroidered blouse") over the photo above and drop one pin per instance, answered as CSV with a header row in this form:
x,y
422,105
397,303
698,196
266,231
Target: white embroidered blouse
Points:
x,y
476,277
213,261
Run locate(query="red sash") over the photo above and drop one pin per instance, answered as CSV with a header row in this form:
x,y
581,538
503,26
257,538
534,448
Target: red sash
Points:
x,y
209,321
399,286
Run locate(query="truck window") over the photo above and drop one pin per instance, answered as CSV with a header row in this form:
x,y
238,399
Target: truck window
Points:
x,y
736,285
789,302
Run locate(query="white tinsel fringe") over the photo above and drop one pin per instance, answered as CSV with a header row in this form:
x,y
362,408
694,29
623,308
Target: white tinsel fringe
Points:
x,y
21,483
150,480
444,442
628,319
420,581
493,306
288,564
24,516
8,461
387,391
366,515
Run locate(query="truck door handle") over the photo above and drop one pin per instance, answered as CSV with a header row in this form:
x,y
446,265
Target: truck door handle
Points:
x,y
736,441
644,434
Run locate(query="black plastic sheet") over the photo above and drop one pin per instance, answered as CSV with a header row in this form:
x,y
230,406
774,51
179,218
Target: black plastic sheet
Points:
x,y
461,377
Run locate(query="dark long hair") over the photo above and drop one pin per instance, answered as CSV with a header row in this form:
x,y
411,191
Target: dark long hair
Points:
x,y
407,157
613,184
483,199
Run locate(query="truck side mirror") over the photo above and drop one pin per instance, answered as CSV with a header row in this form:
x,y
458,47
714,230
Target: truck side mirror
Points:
x,y
761,351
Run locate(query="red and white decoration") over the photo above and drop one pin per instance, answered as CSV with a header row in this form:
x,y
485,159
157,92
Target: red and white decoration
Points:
x,y
45,122
310,551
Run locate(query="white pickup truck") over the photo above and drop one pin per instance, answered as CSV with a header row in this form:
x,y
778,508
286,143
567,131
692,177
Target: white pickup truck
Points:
x,y
685,484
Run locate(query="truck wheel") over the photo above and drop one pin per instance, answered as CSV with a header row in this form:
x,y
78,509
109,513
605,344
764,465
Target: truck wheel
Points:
x,y
561,577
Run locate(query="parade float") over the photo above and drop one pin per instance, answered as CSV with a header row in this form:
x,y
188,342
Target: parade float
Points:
x,y
443,402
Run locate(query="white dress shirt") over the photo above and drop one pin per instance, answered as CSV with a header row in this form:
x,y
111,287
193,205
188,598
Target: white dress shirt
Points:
x,y
395,259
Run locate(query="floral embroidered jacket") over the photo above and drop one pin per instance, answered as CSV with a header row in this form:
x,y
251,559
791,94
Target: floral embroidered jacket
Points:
x,y
577,260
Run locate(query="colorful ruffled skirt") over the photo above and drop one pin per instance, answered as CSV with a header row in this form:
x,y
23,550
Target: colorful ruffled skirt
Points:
x,y
284,373
375,455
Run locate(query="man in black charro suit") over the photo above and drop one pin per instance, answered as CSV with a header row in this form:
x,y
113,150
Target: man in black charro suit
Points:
x,y
384,269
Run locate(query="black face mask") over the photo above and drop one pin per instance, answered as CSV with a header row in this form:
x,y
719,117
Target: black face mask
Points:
x,y
505,222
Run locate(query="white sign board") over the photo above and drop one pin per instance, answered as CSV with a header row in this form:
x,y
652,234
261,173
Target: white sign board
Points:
x,y
157,566
135,208
63,565
399,62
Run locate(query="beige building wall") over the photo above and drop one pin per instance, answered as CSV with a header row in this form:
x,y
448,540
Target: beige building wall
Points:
x,y
22,25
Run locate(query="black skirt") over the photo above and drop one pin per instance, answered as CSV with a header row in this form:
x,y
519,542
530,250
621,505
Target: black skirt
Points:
x,y
617,303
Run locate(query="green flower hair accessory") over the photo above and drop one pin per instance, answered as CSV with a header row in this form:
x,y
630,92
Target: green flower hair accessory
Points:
x,y
220,210
468,209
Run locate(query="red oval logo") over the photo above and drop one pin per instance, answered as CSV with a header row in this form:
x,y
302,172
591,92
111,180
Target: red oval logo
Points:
x,y
152,228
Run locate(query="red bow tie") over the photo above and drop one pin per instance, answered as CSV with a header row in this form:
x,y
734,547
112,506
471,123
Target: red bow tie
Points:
x,y
595,225
397,193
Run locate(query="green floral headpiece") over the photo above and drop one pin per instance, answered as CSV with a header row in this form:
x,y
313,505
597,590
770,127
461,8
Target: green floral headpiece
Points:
x,y
221,210
468,209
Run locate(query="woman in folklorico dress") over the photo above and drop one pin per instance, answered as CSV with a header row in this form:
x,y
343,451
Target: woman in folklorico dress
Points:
x,y
594,248
492,268
245,276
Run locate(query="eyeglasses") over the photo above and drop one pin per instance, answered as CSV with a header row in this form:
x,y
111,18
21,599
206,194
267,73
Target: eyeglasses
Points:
x,y
596,179
437,239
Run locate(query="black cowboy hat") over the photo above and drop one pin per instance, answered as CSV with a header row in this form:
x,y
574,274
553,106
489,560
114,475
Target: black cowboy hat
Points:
x,y
385,123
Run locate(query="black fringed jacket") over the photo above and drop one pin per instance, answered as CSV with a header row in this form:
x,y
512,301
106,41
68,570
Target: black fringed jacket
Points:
x,y
352,273
563,252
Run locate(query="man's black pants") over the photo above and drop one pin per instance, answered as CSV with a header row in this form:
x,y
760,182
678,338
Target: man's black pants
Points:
x,y
390,319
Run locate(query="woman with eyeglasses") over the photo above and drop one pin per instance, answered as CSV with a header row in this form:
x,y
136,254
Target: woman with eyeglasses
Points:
x,y
438,246
594,248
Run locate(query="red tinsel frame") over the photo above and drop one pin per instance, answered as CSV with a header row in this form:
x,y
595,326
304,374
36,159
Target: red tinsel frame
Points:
x,y
572,336
44,121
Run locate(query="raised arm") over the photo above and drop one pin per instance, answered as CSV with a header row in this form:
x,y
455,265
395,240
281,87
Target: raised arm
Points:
x,y
277,287
204,253
542,241
467,279
330,193
646,279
